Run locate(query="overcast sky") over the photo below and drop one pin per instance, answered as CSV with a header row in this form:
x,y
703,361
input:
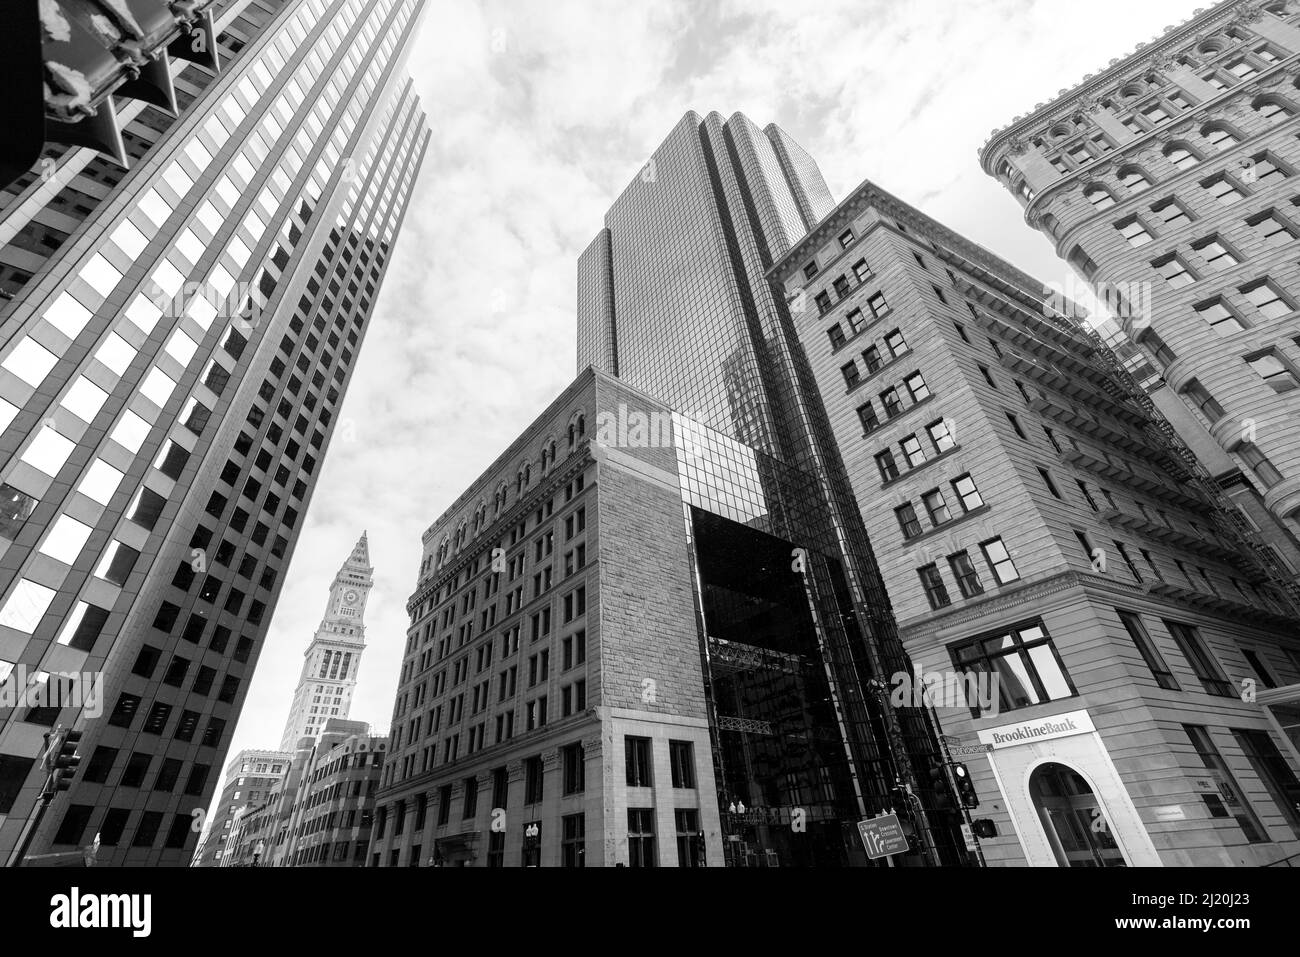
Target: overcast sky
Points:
x,y
541,112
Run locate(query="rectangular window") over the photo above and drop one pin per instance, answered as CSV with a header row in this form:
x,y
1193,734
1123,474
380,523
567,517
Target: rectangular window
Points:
x,y
533,780
967,494
573,840
913,451
867,416
1205,666
575,769
1217,256
1134,231
1219,316
1028,667
941,436
887,466
1222,190
1272,229
963,570
641,850
1202,399
1146,647
637,753
851,374
681,755
936,592
1274,771
916,387
1174,271
936,507
1267,298
999,561
1230,801
907,520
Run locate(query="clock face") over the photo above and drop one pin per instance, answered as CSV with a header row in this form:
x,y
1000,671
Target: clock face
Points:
x,y
350,596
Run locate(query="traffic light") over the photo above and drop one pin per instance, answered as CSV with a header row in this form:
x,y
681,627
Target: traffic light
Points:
x,y
965,786
983,827
939,785
66,760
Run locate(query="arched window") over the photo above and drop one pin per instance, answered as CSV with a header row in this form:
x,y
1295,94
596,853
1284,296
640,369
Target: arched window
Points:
x,y
1273,109
1133,179
528,475
1220,135
1181,155
1099,196
582,425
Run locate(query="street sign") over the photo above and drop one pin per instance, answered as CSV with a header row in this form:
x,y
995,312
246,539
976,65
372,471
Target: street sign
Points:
x,y
969,835
968,749
882,836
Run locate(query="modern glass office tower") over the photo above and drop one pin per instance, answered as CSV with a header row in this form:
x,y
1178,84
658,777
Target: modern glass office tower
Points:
x,y
172,365
673,299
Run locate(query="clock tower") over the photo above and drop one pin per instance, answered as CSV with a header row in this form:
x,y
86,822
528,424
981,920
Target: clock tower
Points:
x,y
329,671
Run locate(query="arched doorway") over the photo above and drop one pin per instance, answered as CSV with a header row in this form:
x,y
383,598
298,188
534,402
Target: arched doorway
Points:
x,y
1072,818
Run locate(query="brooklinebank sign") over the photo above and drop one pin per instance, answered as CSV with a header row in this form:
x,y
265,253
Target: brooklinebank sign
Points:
x,y
1041,729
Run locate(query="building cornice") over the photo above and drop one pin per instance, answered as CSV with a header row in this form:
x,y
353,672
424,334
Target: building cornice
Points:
x,y
1154,54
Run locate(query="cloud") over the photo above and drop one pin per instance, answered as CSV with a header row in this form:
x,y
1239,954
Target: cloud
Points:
x,y
541,113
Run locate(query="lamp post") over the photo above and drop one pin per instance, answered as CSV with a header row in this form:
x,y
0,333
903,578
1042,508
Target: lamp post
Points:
x,y
532,842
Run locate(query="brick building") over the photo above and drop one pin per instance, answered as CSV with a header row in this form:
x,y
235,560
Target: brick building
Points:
x,y
251,777
1037,520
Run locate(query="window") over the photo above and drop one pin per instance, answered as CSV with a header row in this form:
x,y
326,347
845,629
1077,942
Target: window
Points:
x,y
1264,470
963,570
1219,136
1230,801
1133,179
836,335
1273,230
1202,399
876,303
1204,665
1272,769
892,404
1174,271
913,451
1264,169
1028,667
823,300
936,592
896,343
1274,370
907,520
999,560
1256,663
681,755
936,507
573,840
533,780
941,435
1099,196
1219,316
861,270
1273,111
637,753
916,387
846,239
1181,156
851,374
867,416
575,769
1171,213
1266,297
641,837
1222,190
1134,231
871,356
1015,425
967,494
1217,256
884,462
690,839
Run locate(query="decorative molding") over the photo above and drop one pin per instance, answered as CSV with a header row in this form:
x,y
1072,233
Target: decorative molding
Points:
x,y
1121,70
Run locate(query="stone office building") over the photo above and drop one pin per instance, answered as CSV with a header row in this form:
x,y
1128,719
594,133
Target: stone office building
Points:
x,y
1038,523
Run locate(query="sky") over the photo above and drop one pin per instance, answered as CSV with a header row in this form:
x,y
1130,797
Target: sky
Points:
x,y
541,112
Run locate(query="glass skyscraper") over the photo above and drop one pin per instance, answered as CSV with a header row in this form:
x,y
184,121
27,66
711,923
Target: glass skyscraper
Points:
x,y
177,341
797,637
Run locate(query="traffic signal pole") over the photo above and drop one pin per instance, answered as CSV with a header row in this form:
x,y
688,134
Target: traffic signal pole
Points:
x,y
59,761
